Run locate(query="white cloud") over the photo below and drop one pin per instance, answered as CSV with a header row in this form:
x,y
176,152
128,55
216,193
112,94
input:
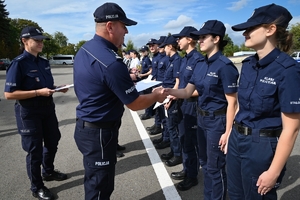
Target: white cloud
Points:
x,y
238,5
181,21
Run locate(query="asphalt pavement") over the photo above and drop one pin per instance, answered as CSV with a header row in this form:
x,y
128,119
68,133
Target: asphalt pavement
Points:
x,y
140,174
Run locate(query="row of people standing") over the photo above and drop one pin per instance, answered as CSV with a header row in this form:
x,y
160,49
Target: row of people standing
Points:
x,y
258,123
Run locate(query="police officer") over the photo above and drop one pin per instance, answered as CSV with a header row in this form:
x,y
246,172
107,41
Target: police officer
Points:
x,y
160,117
30,82
102,85
187,112
268,107
171,80
145,72
216,82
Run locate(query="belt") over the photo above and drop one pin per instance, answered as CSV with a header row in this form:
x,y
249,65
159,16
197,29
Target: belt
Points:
x,y
192,99
97,124
262,132
35,103
215,113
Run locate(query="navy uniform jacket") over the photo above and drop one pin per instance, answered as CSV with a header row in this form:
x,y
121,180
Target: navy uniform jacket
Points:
x,y
214,78
267,88
101,82
155,61
162,67
146,65
172,71
188,65
27,72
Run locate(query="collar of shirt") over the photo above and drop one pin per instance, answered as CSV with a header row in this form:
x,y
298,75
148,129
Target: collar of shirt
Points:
x,y
213,58
108,43
189,55
268,58
30,56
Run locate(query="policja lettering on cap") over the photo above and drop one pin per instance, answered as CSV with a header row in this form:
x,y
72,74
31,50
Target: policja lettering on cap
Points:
x,y
112,12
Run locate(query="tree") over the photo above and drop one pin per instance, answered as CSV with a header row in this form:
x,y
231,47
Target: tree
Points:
x,y
78,45
68,50
4,30
50,46
295,30
60,39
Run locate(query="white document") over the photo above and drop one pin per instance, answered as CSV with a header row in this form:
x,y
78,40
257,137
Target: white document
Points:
x,y
64,87
158,104
145,84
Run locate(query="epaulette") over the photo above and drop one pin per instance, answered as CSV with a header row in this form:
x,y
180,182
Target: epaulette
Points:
x,y
285,60
18,58
114,54
225,59
198,56
43,58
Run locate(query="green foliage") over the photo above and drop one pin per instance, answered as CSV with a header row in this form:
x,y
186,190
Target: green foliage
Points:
x,y
295,30
50,46
60,39
78,45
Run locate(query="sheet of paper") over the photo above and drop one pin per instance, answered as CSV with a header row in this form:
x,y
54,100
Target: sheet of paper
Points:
x,y
158,104
145,84
64,87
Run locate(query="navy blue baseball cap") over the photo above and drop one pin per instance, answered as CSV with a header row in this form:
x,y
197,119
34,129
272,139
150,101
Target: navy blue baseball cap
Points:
x,y
160,40
211,27
144,48
168,40
266,15
151,41
185,32
112,12
33,32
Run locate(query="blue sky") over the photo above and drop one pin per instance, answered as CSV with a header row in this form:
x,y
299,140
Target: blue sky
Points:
x,y
74,18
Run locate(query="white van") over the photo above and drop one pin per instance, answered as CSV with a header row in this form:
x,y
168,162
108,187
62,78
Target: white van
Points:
x,y
62,60
296,56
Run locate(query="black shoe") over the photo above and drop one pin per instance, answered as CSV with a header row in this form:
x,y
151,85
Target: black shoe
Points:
x,y
162,145
176,160
144,117
178,175
157,141
167,156
120,148
120,154
55,175
43,194
155,131
150,128
187,183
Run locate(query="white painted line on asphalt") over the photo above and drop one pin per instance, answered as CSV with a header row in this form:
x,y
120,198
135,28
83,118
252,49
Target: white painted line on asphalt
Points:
x,y
163,177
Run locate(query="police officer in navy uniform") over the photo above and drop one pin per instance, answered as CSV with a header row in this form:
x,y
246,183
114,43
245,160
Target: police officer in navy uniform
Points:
x,y
102,85
187,112
171,80
267,123
160,116
30,82
216,82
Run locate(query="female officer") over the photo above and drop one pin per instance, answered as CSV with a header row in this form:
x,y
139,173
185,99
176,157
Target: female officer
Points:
x,y
216,82
268,107
30,82
171,79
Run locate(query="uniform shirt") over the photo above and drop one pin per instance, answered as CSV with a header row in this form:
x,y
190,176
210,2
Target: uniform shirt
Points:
x,y
146,65
162,67
155,62
214,78
28,72
267,88
172,71
187,67
101,82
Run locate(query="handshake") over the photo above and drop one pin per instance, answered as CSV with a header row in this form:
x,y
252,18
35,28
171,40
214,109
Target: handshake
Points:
x,y
161,93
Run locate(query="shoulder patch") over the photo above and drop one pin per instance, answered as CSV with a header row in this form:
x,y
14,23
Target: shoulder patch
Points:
x,y
115,54
225,59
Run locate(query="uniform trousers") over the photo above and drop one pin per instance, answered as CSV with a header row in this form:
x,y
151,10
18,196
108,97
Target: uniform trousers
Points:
x,y
38,127
212,159
173,121
98,147
247,158
188,138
